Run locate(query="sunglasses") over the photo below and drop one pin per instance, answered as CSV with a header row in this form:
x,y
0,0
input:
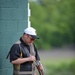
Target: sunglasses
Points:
x,y
32,39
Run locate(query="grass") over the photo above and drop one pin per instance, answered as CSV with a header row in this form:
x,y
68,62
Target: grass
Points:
x,y
56,61
59,66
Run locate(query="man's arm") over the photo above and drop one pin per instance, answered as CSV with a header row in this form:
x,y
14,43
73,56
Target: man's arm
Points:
x,y
40,70
38,63
22,60
39,67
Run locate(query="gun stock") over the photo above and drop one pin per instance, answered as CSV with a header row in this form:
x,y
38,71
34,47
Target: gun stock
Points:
x,y
41,72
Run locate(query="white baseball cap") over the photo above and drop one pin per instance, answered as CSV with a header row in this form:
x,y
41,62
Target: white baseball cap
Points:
x,y
31,31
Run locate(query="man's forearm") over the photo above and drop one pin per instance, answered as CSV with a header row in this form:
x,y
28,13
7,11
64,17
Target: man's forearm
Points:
x,y
41,71
20,60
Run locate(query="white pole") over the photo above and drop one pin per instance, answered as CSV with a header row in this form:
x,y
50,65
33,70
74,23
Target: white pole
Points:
x,y
29,14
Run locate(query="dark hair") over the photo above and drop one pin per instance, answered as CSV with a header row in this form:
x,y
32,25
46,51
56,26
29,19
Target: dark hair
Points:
x,y
24,33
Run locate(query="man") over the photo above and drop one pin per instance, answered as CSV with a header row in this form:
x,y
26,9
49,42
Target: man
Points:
x,y
24,55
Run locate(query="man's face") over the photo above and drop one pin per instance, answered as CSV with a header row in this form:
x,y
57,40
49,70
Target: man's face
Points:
x,y
28,39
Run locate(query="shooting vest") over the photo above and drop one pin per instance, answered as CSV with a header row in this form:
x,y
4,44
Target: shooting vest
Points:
x,y
16,67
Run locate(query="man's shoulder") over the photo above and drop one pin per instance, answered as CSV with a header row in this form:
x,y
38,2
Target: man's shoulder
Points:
x,y
18,42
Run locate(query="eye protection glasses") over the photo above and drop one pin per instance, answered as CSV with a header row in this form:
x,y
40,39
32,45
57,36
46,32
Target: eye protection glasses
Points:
x,y
32,39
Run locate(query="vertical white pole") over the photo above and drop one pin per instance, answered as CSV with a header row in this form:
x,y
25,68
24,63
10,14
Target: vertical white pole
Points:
x,y
29,14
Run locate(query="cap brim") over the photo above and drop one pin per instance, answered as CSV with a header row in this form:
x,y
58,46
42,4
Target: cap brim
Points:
x,y
34,36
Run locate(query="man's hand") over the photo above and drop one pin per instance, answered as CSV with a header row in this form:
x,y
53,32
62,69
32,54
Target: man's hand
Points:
x,y
41,67
32,58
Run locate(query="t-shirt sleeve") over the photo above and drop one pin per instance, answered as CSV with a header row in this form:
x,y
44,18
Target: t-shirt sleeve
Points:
x,y
14,52
36,55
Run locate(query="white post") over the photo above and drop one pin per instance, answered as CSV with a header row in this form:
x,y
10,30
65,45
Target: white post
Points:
x,y
29,14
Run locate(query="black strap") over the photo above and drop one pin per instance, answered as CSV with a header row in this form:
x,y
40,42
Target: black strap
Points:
x,y
8,55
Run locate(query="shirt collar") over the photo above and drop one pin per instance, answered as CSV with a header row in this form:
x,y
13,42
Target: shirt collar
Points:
x,y
23,42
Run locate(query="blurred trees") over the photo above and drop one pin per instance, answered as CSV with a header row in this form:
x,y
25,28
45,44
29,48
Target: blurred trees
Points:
x,y
54,21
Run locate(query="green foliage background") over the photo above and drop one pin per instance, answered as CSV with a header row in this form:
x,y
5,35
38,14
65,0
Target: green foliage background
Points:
x,y
54,21
64,68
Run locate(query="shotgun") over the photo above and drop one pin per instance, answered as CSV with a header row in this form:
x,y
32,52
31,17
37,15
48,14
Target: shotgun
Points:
x,y
41,72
